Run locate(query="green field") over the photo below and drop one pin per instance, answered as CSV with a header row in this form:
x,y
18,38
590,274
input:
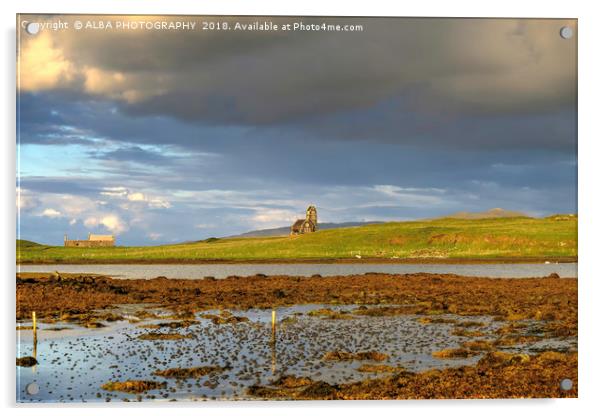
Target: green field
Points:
x,y
454,239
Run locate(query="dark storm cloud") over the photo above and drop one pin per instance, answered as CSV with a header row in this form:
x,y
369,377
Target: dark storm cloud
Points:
x,y
459,66
38,122
433,70
234,156
393,122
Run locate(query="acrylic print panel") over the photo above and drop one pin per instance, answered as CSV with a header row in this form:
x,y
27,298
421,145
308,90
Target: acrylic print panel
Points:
x,y
292,208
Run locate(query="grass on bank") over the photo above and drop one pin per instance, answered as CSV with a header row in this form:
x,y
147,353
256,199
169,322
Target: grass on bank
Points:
x,y
499,238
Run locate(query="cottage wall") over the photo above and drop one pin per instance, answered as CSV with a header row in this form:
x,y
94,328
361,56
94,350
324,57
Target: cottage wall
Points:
x,y
88,243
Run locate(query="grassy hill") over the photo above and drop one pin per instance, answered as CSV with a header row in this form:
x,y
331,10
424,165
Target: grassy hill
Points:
x,y
24,244
445,238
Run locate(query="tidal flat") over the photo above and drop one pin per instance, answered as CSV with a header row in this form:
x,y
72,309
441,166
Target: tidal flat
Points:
x,y
345,337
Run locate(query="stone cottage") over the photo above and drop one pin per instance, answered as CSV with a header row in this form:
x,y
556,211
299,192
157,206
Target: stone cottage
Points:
x,y
307,225
94,240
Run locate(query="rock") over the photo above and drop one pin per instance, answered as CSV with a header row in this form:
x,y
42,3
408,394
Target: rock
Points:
x,y
319,390
133,386
291,382
26,362
194,372
454,353
279,294
502,359
94,324
551,356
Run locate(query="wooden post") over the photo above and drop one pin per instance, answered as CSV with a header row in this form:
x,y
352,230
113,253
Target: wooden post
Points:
x,y
33,318
273,343
273,321
35,334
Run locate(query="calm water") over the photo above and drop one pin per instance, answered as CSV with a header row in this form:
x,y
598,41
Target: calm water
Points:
x,y
220,271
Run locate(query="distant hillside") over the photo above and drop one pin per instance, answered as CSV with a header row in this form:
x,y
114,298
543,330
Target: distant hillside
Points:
x,y
492,213
281,231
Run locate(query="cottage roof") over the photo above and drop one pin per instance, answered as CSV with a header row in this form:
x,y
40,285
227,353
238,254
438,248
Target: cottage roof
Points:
x,y
100,237
298,224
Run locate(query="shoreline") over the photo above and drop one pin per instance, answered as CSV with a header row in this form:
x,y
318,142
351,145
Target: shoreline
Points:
x,y
431,293
367,260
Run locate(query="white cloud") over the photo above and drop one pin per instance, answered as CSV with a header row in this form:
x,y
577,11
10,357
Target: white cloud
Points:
x,y
62,205
121,192
408,197
66,206
99,81
90,222
43,64
158,203
204,226
154,236
267,217
25,200
111,222
114,223
50,213
115,192
137,196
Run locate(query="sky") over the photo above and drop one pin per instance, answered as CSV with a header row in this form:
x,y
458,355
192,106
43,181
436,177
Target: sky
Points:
x,y
162,136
